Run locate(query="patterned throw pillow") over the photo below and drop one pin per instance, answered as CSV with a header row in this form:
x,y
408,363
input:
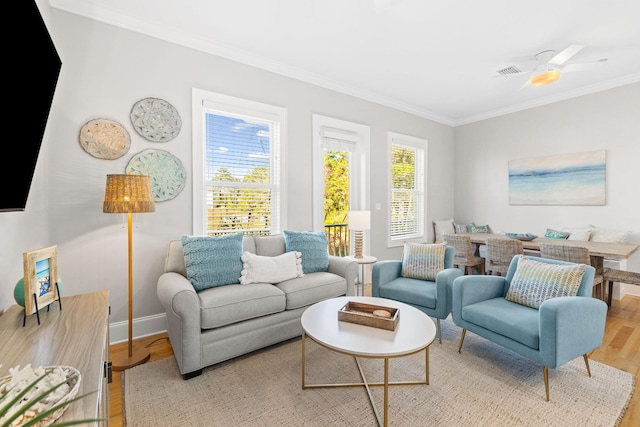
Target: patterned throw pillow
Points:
x,y
270,269
555,234
213,261
478,228
463,228
423,261
312,245
535,282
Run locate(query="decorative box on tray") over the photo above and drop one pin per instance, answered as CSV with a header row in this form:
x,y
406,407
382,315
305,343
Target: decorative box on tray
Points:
x,y
370,315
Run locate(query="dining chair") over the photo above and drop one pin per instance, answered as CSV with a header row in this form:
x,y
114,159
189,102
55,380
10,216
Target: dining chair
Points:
x,y
500,252
464,253
577,254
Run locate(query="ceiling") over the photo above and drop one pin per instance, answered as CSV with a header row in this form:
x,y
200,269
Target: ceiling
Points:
x,y
435,59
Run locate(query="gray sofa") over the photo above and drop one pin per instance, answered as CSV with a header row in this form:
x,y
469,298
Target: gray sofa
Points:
x,y
224,322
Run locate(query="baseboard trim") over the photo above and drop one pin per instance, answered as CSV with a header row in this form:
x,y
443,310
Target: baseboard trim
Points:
x,y
142,327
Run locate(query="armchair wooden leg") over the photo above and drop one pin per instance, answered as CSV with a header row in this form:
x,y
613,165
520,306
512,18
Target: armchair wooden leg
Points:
x,y
439,330
464,331
545,373
586,362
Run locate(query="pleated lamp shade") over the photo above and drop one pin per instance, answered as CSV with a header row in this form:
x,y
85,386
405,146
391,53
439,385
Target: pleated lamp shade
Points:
x,y
128,194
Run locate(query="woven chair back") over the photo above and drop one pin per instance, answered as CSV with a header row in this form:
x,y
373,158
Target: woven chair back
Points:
x,y
577,254
463,248
500,252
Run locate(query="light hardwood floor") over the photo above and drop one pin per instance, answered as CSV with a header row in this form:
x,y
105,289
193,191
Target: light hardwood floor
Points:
x,y
619,349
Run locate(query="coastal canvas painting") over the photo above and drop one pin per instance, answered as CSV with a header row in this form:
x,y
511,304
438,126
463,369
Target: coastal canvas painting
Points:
x,y
568,179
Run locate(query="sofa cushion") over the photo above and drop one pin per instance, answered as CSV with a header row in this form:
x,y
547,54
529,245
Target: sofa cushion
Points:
x,y
312,288
410,291
535,282
269,245
423,261
213,261
312,245
270,269
224,305
498,315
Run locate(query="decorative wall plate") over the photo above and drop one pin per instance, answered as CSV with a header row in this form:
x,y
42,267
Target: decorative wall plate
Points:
x,y
167,173
104,139
155,119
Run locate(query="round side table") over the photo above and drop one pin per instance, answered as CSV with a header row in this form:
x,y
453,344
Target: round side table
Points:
x,y
365,260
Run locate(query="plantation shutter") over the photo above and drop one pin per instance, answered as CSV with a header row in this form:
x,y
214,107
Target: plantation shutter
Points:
x,y
242,173
407,190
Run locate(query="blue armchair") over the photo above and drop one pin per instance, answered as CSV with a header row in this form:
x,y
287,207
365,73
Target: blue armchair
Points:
x,y
432,297
559,330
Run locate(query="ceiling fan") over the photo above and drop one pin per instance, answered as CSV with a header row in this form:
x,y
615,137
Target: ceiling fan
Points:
x,y
549,66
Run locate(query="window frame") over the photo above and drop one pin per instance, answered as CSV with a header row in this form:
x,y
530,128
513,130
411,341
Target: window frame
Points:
x,y
398,139
202,101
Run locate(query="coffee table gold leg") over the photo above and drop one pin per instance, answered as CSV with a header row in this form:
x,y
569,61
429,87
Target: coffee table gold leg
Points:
x,y
303,357
386,391
426,364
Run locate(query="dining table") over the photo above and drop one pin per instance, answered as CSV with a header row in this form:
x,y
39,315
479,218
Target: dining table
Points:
x,y
598,251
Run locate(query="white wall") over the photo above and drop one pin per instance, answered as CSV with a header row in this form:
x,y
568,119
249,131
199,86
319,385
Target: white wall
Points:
x,y
105,70
608,120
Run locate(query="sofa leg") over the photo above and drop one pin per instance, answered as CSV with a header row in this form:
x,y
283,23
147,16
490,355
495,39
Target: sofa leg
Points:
x,y
464,331
439,330
586,362
193,374
545,373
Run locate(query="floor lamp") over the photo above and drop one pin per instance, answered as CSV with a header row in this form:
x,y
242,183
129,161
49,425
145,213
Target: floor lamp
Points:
x,y
129,194
359,221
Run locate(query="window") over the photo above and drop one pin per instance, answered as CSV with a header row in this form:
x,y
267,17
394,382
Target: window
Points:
x,y
407,178
340,177
237,157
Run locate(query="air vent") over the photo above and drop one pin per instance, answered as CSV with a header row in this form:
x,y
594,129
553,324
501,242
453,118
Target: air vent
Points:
x,y
509,70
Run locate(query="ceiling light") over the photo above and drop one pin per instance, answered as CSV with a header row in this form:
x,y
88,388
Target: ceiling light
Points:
x,y
544,74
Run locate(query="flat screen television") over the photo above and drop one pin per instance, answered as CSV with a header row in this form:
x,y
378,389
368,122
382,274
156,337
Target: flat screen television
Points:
x,y
31,67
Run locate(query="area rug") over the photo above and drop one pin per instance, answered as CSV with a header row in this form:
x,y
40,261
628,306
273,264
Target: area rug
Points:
x,y
485,385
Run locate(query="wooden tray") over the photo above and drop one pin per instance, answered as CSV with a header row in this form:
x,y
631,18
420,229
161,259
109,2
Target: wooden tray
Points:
x,y
362,314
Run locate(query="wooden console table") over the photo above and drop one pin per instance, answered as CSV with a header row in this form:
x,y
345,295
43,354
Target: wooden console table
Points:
x,y
77,335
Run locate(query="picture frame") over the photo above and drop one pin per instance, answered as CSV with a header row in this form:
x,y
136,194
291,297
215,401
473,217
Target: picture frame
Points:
x,y
40,278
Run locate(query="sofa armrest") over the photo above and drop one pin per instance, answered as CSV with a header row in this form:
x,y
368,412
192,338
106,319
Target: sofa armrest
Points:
x,y
570,327
344,268
470,289
182,306
444,285
384,272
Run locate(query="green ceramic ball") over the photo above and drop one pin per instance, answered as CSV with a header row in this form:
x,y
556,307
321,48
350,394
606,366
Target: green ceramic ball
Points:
x,y
18,291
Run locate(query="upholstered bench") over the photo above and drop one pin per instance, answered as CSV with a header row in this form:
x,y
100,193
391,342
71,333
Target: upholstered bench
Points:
x,y
611,275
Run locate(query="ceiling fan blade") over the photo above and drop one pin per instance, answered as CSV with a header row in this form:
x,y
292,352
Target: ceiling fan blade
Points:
x,y
577,66
566,54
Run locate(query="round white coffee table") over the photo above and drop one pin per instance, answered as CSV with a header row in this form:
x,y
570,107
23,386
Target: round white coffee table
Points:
x,y
415,332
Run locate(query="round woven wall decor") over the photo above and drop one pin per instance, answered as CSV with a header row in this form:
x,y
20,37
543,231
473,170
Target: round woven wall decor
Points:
x,y
156,119
104,139
168,176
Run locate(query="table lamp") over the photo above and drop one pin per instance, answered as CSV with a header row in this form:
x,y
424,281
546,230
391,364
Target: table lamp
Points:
x,y
129,194
358,222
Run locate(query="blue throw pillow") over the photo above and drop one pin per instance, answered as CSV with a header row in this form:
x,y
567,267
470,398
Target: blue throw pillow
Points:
x,y
213,261
555,234
312,245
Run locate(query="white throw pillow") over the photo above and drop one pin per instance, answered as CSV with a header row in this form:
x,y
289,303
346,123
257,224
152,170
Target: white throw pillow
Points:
x,y
443,227
581,233
610,236
270,269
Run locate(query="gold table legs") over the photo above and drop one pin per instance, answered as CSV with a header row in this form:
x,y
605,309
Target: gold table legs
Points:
x,y
364,382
